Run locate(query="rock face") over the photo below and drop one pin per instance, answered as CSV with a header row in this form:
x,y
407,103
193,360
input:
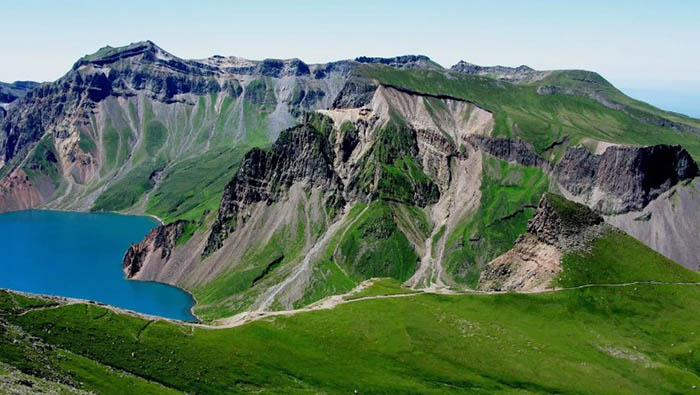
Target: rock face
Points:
x,y
98,115
559,226
559,222
305,185
402,62
511,74
159,244
511,150
10,92
300,154
623,179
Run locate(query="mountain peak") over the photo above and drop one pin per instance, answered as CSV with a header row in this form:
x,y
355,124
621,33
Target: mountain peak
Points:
x,y
401,62
109,54
518,74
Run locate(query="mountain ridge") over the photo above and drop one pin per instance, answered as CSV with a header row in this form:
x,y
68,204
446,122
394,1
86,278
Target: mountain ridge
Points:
x,y
282,182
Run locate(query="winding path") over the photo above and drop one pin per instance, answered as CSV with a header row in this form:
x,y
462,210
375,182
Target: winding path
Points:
x,y
324,304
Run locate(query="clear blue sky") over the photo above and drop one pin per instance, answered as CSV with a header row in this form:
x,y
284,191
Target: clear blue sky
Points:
x,y
639,44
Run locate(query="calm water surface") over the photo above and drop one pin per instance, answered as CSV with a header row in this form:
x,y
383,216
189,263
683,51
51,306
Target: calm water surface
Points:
x,y
79,255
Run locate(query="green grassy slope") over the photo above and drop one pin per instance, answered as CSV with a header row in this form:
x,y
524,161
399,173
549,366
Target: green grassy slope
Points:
x,y
603,264
37,358
630,339
509,193
545,119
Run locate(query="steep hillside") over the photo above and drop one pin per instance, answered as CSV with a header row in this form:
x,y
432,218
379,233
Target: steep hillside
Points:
x,y
410,186
116,132
280,183
10,92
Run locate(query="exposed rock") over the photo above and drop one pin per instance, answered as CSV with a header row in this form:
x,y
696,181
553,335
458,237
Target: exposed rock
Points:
x,y
668,224
559,226
15,90
162,238
300,154
18,192
402,62
511,150
511,74
562,223
623,179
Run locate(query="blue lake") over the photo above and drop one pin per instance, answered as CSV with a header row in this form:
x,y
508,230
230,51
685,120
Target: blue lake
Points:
x,y
79,255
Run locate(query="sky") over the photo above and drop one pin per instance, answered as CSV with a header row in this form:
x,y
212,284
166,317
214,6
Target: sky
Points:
x,y
644,45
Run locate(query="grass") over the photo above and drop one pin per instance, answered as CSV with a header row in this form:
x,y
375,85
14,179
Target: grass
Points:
x,y
604,340
392,159
374,246
535,116
194,186
573,215
125,192
43,161
382,286
154,137
37,358
86,143
233,290
604,264
632,339
508,193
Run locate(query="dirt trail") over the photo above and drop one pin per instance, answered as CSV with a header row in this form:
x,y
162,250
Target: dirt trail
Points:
x,y
324,304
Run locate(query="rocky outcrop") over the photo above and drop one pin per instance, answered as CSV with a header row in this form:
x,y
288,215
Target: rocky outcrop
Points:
x,y
18,192
622,179
511,150
159,244
118,88
669,224
10,92
402,62
300,154
559,226
518,74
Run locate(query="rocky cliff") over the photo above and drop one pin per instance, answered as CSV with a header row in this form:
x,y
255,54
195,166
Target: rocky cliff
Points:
x,y
623,179
518,74
10,92
158,244
559,226
124,112
301,154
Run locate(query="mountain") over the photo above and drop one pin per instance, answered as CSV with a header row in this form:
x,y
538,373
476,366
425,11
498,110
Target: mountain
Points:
x,y
10,92
282,183
603,322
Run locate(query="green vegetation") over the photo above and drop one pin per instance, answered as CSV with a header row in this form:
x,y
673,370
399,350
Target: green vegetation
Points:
x,y
536,116
391,162
39,359
635,339
127,191
572,214
194,186
509,194
619,258
43,161
233,291
261,93
382,286
154,137
374,246
86,143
